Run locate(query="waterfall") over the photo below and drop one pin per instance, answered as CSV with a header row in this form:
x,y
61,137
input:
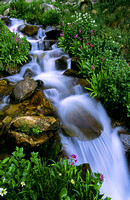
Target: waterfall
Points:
x,y
105,153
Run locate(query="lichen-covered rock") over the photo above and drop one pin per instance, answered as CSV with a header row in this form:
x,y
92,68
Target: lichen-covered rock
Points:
x,y
42,104
29,30
24,89
22,139
5,88
44,123
71,72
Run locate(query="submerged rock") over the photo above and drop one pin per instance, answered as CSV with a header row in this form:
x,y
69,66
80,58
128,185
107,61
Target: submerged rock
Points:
x,y
82,124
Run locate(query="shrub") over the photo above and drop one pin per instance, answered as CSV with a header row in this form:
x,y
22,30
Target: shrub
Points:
x,y
32,179
100,61
13,49
50,17
3,7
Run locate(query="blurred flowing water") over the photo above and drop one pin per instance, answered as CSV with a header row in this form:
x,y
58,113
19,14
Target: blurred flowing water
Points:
x,y
104,154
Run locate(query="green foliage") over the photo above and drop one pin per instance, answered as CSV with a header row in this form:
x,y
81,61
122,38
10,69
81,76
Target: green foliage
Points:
x,y
3,7
32,179
13,49
25,128
50,17
100,61
18,8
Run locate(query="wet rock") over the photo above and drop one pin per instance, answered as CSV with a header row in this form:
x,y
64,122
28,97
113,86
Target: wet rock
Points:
x,y
44,123
28,73
94,12
29,30
5,88
6,20
85,167
49,43
57,53
47,6
52,33
24,89
24,140
81,124
61,63
74,63
83,82
71,72
125,138
12,110
43,105
6,12
7,120
84,4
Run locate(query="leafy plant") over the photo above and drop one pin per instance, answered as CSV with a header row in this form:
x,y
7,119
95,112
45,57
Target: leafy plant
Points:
x,y
100,62
25,128
13,49
50,17
32,179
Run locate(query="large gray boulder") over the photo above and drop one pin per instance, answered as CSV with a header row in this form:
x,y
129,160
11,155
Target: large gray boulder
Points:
x,y
24,89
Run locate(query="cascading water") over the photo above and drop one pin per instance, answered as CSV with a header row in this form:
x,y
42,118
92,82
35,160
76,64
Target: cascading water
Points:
x,y
105,153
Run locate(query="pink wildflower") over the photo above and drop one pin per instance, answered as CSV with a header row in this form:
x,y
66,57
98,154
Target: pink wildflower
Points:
x,y
75,36
63,23
101,177
70,25
61,35
80,31
81,47
87,43
91,45
73,156
103,59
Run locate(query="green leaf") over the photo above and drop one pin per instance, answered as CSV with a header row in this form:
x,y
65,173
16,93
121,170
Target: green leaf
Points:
x,y
5,160
63,192
67,198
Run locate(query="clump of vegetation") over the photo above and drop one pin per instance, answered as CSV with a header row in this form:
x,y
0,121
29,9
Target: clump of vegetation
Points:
x,y
34,179
50,17
25,128
100,62
13,49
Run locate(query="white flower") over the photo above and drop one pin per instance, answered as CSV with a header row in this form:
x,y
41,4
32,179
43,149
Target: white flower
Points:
x,y
119,36
72,181
60,174
22,184
3,191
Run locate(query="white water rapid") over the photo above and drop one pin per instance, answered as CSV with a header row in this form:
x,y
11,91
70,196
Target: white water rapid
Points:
x,y
104,154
